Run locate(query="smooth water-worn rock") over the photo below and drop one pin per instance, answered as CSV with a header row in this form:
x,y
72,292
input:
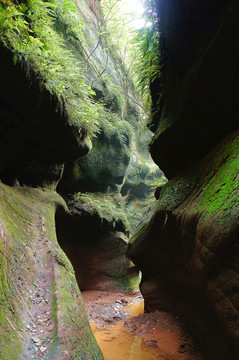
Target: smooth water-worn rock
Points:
x,y
33,130
102,169
41,309
188,249
198,88
97,250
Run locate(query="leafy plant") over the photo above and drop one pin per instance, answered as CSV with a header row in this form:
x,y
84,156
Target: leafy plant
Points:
x,y
158,183
142,170
30,31
146,41
110,206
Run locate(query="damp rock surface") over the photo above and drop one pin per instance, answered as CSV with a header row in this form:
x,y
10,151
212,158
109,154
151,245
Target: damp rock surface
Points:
x,y
124,332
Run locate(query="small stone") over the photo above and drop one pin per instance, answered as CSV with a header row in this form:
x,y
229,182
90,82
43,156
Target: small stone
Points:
x,y
42,348
36,340
124,301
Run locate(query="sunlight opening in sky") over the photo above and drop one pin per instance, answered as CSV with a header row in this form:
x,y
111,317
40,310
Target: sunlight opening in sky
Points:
x,y
135,8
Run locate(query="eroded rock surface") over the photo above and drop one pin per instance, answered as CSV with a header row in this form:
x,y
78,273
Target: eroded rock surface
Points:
x,y
188,249
33,130
198,91
97,249
42,313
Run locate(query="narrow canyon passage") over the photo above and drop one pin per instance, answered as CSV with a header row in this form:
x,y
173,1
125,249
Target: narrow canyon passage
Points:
x,y
124,332
119,149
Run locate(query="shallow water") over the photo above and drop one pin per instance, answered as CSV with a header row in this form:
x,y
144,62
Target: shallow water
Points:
x,y
117,343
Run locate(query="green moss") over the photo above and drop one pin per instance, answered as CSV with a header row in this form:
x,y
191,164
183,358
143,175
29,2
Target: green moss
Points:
x,y
110,206
21,210
209,190
219,195
212,187
10,268
48,38
130,283
213,184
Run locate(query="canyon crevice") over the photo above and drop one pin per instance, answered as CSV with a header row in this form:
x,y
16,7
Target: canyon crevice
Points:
x,y
77,176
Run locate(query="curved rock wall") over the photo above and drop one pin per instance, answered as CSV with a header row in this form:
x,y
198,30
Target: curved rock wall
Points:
x,y
61,83
42,312
188,249
199,81
33,130
97,250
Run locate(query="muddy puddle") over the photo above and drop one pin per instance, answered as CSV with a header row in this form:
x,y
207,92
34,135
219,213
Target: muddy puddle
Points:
x,y
124,332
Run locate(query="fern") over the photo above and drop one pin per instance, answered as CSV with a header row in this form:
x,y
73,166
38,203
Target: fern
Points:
x,y
110,206
30,31
146,41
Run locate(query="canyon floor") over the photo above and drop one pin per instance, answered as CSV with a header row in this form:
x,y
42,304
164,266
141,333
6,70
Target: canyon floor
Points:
x,y
124,332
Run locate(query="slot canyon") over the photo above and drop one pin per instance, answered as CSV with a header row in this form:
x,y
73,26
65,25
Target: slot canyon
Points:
x,y
119,180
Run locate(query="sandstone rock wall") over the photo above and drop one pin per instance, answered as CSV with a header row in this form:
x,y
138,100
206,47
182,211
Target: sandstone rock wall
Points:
x,y
188,249
42,312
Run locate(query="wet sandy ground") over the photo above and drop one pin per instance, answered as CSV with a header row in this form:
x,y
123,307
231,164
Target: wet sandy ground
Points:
x,y
123,332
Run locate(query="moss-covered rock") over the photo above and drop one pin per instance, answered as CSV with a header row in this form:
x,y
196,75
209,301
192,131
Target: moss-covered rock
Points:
x,y
42,313
188,250
96,244
102,169
35,138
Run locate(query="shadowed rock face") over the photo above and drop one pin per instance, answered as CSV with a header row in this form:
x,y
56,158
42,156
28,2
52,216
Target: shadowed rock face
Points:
x,y
199,81
188,249
103,168
35,138
96,249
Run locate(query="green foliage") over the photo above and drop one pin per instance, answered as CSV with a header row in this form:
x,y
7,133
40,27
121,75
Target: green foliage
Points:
x,y
30,31
158,183
119,35
109,206
142,170
142,56
112,124
146,41
147,64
